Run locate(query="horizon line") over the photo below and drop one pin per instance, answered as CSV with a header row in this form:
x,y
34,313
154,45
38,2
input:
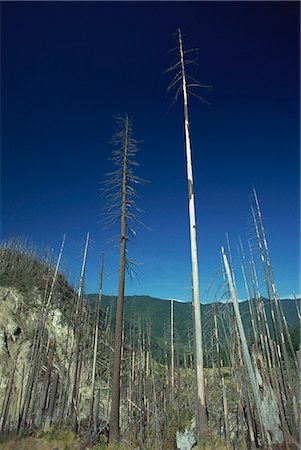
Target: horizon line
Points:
x,y
289,297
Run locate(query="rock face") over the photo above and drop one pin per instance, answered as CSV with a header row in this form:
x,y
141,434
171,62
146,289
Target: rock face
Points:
x,y
13,339
42,357
17,328
186,440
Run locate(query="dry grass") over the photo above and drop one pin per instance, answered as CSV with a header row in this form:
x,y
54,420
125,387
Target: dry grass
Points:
x,y
54,439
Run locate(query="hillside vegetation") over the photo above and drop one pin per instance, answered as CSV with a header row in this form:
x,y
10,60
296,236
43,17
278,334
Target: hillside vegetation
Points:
x,y
156,312
46,348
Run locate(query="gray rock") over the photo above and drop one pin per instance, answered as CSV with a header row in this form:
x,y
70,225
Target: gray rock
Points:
x,y
186,440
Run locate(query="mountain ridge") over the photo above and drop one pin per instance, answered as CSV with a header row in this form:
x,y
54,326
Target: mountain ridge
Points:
x,y
156,312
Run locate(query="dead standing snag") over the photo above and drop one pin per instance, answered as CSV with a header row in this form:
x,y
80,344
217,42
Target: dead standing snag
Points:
x,y
121,208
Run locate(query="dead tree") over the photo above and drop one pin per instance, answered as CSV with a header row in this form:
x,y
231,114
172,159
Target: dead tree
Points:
x,y
279,310
121,196
37,350
185,83
76,343
270,433
172,355
96,341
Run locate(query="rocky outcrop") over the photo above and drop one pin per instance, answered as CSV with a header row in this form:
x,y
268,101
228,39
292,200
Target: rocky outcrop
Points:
x,y
17,329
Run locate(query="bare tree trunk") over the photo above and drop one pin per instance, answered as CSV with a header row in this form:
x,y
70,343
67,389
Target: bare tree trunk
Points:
x,y
20,395
280,348
226,411
179,390
297,307
274,291
96,341
172,356
34,368
115,404
248,290
200,387
45,389
52,400
77,342
220,379
267,432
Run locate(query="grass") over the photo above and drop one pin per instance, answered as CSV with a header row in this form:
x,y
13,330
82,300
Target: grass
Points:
x,y
53,439
219,445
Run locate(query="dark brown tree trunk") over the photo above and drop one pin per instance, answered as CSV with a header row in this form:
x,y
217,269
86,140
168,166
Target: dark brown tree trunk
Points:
x,y
52,400
115,404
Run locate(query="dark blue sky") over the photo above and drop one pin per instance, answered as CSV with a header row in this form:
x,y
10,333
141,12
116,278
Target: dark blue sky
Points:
x,y
68,68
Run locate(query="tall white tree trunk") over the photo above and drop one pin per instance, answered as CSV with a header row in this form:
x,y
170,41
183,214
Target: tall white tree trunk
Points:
x,y
270,431
96,340
82,274
200,387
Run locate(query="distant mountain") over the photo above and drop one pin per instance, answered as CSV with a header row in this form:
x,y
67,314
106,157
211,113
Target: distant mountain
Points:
x,y
157,312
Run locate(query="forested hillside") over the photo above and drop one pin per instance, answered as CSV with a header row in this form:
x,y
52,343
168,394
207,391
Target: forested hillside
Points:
x,y
156,312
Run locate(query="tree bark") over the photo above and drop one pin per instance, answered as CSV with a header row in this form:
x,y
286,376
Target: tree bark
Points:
x,y
96,341
115,404
200,386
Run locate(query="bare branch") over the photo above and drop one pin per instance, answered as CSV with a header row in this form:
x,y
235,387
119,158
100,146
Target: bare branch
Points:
x,y
173,67
200,98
